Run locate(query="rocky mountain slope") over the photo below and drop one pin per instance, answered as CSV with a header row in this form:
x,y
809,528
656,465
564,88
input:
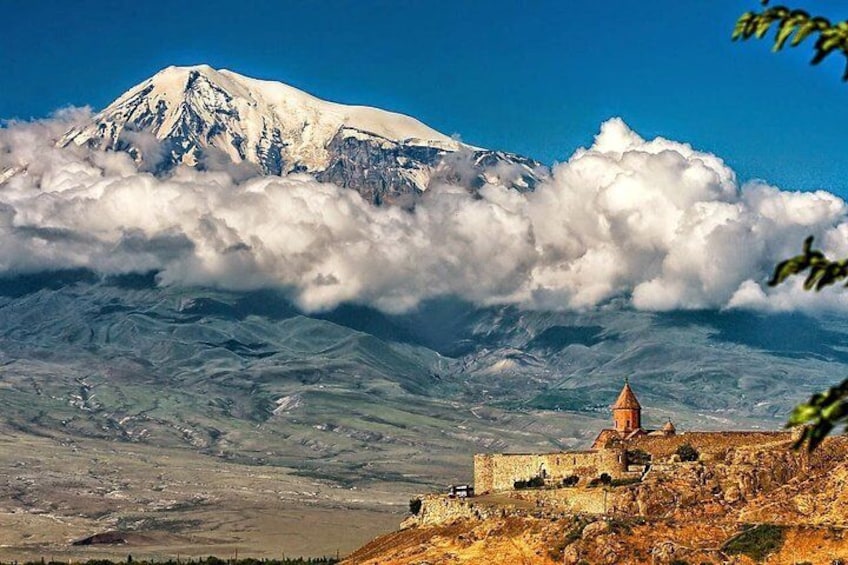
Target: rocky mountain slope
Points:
x,y
357,396
202,117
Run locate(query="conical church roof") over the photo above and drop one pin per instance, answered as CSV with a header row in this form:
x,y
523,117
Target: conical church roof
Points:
x,y
627,400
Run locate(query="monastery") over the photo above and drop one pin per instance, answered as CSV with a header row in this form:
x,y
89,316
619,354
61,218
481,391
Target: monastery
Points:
x,y
625,451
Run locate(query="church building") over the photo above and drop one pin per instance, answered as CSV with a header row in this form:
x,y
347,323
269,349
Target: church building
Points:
x,y
627,421
607,456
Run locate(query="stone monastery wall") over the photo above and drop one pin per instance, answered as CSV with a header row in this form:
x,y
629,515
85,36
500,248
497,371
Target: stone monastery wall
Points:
x,y
439,509
707,443
495,472
498,472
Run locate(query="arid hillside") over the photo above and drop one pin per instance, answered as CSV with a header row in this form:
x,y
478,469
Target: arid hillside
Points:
x,y
764,504
540,541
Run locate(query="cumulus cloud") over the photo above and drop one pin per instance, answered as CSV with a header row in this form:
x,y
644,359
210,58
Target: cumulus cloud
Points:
x,y
666,225
655,221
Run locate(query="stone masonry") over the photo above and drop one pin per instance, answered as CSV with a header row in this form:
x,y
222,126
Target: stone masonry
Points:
x,y
495,472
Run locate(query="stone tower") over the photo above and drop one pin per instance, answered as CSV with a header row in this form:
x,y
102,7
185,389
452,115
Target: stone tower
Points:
x,y
627,412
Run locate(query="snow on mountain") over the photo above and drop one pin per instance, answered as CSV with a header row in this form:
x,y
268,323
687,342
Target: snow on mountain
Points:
x,y
243,117
198,114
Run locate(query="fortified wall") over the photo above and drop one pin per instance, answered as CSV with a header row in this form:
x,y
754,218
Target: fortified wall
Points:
x,y
494,472
708,444
438,509
615,452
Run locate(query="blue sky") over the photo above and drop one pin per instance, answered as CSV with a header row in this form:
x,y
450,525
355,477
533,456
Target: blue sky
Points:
x,y
536,78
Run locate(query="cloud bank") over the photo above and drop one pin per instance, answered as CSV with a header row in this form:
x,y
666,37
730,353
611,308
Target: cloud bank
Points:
x,y
654,221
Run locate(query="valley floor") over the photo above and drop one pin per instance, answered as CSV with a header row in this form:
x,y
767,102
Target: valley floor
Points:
x,y
168,502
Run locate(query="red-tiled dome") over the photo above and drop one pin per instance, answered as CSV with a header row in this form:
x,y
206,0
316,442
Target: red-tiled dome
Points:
x,y
627,400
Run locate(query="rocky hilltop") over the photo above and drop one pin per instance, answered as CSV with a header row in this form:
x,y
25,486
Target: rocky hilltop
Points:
x,y
745,504
207,118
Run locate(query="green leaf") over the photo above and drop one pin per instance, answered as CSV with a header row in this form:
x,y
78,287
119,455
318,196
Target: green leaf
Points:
x,y
810,259
804,31
830,42
820,415
742,24
783,32
802,414
762,26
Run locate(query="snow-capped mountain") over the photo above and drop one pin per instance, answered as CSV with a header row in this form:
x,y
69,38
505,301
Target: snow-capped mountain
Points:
x,y
199,116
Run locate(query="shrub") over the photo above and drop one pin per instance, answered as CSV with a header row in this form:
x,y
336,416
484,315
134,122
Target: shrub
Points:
x,y
570,481
534,482
625,525
414,506
605,478
625,482
756,542
637,457
687,453
576,531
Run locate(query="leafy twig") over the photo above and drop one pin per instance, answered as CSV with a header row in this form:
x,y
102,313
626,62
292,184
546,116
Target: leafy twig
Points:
x,y
799,25
824,410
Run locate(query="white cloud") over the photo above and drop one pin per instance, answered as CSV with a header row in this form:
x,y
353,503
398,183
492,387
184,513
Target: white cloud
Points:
x,y
655,221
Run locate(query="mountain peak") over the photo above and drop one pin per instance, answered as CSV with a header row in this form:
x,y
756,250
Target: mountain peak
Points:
x,y
184,70
198,115
175,80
